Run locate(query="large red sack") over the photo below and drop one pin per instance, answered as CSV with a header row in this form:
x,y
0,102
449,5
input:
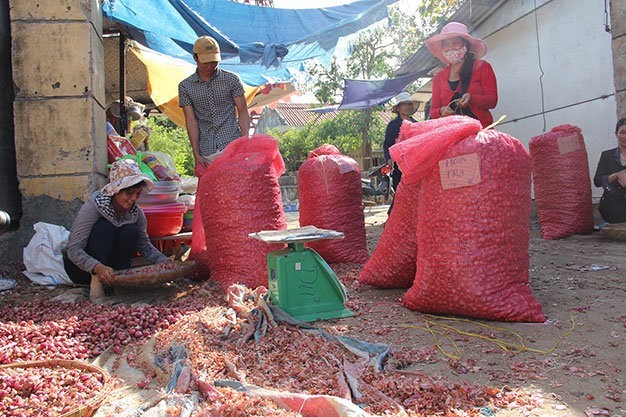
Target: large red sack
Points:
x,y
392,264
473,232
561,182
199,253
409,130
239,194
330,197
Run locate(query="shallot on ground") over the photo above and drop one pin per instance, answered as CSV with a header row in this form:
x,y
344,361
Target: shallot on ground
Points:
x,y
46,391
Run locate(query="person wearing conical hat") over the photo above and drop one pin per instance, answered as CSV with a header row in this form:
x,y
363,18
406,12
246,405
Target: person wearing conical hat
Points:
x,y
109,229
467,85
404,107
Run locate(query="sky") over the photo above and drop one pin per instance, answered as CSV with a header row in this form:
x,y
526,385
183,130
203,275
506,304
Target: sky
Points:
x,y
307,4
405,5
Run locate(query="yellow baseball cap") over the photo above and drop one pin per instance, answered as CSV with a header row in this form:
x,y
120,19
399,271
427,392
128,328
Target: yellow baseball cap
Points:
x,y
207,49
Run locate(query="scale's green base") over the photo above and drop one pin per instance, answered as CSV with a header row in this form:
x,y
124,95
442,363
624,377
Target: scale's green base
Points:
x,y
304,285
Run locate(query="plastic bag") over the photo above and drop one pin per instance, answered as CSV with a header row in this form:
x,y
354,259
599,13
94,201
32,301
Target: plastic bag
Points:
x,y
113,151
43,256
161,165
145,169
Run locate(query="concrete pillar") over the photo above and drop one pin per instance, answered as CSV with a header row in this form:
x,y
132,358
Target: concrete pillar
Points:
x,y
618,35
58,71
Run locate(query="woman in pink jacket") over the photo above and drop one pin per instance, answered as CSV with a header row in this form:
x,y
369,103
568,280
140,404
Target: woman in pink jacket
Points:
x,y
467,85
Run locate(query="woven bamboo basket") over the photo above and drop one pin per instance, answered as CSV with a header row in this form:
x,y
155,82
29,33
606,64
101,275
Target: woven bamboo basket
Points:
x,y
151,275
615,231
86,409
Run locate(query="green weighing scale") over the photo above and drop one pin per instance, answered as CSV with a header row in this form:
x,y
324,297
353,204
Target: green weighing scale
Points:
x,y
300,281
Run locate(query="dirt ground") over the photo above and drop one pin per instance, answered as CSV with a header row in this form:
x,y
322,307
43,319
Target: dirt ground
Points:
x,y
575,361
573,364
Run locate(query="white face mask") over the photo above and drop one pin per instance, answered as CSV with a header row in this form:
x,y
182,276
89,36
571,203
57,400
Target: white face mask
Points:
x,y
455,56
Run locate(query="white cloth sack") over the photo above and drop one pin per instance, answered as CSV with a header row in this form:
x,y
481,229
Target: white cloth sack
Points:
x,y
43,255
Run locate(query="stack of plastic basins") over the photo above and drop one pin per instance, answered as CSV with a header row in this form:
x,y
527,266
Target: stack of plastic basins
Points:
x,y
190,202
163,213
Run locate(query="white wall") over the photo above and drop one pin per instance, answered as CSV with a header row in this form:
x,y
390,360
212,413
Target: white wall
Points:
x,y
571,46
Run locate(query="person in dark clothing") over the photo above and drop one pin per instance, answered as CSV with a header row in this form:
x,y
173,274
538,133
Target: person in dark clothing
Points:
x,y
403,107
611,176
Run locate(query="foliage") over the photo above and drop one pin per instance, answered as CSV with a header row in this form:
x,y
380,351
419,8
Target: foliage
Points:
x,y
374,55
171,139
432,13
344,131
407,36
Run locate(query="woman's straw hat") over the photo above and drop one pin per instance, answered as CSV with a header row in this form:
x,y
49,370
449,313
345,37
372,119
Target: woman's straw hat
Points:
x,y
451,30
125,173
403,97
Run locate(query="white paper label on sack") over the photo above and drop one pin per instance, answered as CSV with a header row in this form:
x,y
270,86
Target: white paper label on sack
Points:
x,y
343,162
460,171
568,144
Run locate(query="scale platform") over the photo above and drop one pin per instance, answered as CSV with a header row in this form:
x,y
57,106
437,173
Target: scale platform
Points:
x,y
300,281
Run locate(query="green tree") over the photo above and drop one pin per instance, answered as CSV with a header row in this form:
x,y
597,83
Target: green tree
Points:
x,y
370,58
375,53
344,132
432,13
171,139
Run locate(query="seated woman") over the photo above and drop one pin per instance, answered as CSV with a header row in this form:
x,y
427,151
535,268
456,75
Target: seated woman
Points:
x,y
110,229
611,175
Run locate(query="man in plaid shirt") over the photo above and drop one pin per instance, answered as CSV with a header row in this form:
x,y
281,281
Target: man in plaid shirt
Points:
x,y
209,98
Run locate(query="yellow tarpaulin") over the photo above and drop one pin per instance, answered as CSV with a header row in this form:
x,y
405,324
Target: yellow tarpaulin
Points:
x,y
165,72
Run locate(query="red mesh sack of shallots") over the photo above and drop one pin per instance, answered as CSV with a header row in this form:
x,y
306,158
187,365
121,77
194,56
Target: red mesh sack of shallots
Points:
x,y
239,194
392,264
561,182
410,130
330,197
473,232
199,253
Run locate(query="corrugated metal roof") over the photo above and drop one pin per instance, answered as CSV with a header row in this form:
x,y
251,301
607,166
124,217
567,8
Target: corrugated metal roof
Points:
x,y
295,114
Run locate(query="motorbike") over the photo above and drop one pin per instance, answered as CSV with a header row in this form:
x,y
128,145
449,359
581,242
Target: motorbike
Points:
x,y
377,185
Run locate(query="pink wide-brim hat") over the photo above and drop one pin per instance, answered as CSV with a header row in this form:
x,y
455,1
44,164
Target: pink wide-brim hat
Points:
x,y
451,30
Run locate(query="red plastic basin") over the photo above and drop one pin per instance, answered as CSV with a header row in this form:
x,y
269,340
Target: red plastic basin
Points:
x,y
164,220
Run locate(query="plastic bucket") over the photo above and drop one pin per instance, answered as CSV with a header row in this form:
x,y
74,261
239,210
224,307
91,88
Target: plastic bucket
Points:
x,y
164,219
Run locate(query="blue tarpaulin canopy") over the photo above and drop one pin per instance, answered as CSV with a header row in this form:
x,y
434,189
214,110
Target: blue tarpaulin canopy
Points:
x,y
363,94
261,44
